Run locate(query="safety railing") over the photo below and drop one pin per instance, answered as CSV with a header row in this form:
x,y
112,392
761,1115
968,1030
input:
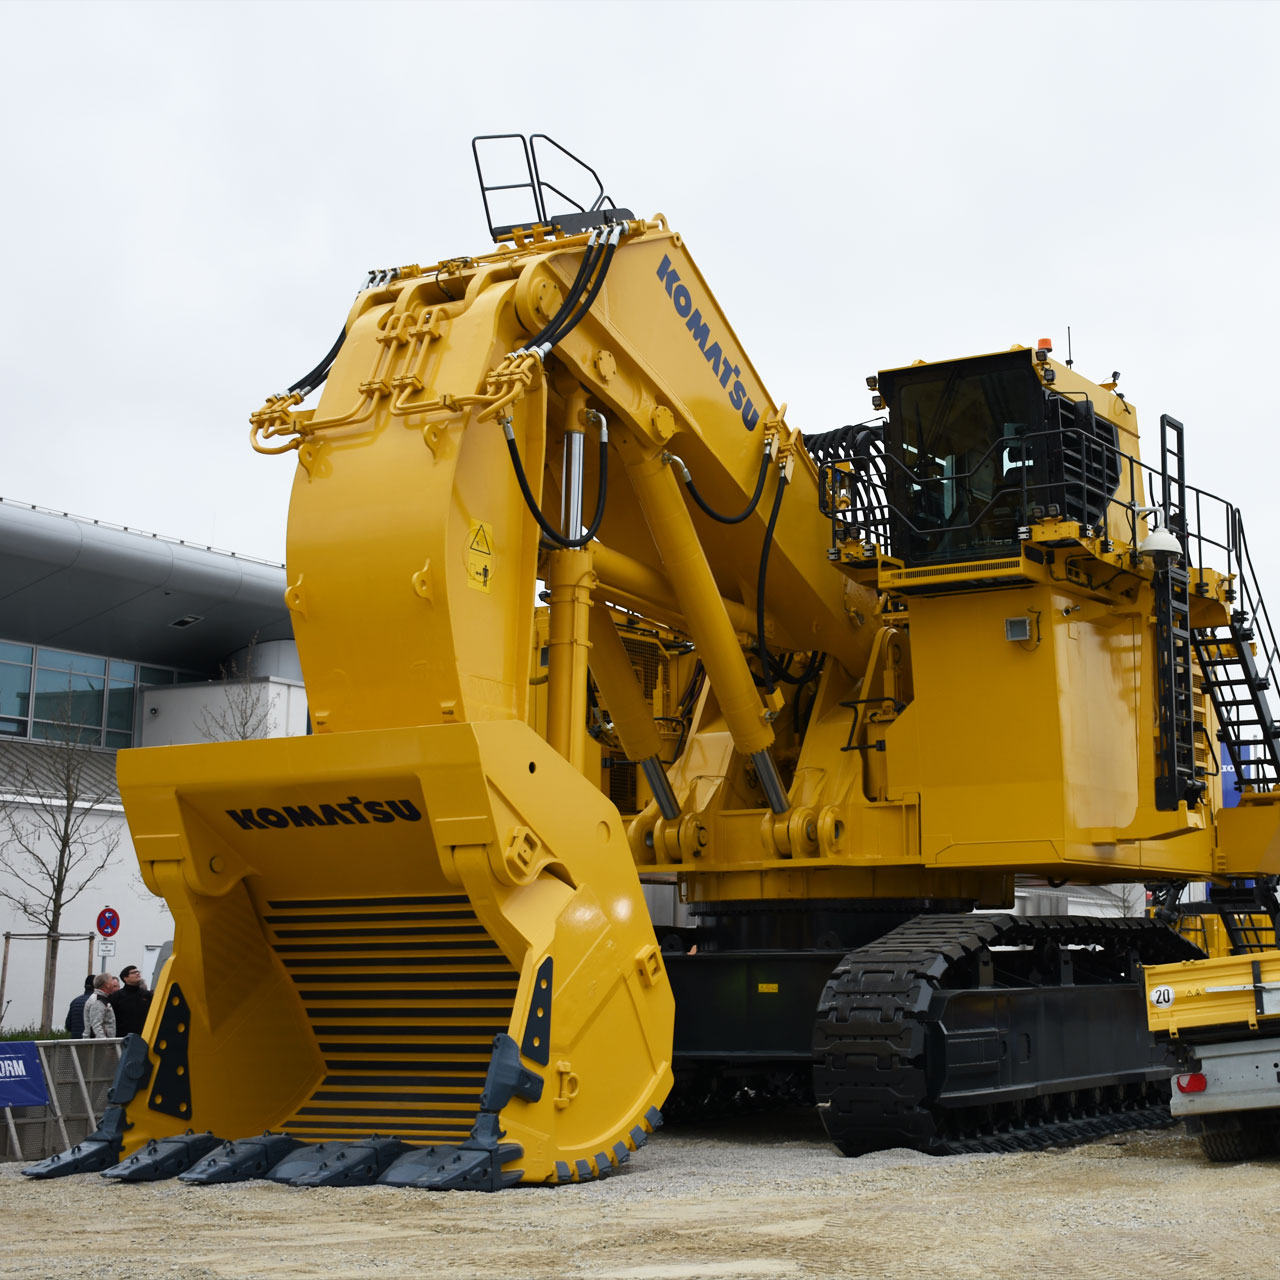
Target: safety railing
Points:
x,y
526,167
77,1075
1082,477
1069,474
1254,607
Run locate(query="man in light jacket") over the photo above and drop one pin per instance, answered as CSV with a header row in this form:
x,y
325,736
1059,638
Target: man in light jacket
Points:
x,y
99,1016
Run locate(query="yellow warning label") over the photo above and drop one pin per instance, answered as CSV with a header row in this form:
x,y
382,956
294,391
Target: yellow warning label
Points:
x,y
480,555
767,988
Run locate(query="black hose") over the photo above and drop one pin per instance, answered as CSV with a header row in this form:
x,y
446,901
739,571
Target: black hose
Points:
x,y
812,669
782,672
588,302
772,669
589,260
553,535
811,672
766,660
692,689
317,375
601,494
750,507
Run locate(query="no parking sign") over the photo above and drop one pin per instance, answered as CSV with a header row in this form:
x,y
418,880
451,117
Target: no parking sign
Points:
x,y
108,921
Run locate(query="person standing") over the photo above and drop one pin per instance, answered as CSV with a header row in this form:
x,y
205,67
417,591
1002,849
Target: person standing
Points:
x,y
75,1014
131,1002
99,1016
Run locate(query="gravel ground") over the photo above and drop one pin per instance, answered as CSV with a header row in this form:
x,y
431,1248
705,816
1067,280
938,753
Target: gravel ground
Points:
x,y
759,1198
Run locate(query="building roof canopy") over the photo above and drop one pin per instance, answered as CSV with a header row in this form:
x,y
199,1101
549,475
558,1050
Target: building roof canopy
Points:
x,y
78,584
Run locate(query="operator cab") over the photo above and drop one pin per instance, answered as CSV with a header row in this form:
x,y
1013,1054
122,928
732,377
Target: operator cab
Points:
x,y
976,449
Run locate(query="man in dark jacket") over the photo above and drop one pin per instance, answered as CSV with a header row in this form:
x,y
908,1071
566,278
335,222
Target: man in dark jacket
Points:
x,y
75,1014
131,1002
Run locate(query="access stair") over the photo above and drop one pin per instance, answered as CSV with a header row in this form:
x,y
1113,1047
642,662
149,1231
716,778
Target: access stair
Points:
x,y
1238,662
1237,681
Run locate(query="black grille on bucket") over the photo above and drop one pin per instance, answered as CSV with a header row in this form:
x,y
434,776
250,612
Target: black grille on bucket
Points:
x,y
404,997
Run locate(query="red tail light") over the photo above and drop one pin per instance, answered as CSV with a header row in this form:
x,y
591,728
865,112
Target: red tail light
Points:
x,y
1193,1083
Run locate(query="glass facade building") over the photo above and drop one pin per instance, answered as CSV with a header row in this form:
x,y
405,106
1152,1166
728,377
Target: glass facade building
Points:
x,y
56,694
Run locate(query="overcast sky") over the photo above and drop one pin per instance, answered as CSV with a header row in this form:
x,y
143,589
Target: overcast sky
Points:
x,y
194,192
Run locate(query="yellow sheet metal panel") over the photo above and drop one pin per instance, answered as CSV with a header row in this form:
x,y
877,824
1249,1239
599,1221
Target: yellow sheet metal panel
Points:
x,y
1227,991
396,620
992,763
1249,836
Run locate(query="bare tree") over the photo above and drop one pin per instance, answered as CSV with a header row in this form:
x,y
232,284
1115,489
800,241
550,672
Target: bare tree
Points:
x,y
56,832
245,711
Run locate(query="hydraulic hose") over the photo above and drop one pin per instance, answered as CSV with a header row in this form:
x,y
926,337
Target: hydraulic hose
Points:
x,y
589,260
811,672
308,383
554,535
773,670
594,265
755,497
610,247
766,659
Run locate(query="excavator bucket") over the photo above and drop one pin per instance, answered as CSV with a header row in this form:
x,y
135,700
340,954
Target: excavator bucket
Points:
x,y
430,935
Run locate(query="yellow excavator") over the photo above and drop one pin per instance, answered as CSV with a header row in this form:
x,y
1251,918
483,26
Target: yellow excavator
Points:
x,y
579,612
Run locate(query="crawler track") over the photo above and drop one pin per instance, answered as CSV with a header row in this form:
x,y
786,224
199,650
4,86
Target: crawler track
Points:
x,y
992,1033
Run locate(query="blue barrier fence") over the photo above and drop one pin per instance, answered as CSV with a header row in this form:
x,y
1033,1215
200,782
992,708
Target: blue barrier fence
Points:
x,y
52,1093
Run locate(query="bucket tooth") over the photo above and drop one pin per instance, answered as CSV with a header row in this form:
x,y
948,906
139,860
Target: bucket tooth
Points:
x,y
350,1164
164,1157
103,1148
242,1159
99,1151
651,1123
612,1158
455,1168
93,1155
302,1160
476,1164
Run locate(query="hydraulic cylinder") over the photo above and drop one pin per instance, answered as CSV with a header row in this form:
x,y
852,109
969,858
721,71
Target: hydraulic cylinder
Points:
x,y
632,716
696,590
